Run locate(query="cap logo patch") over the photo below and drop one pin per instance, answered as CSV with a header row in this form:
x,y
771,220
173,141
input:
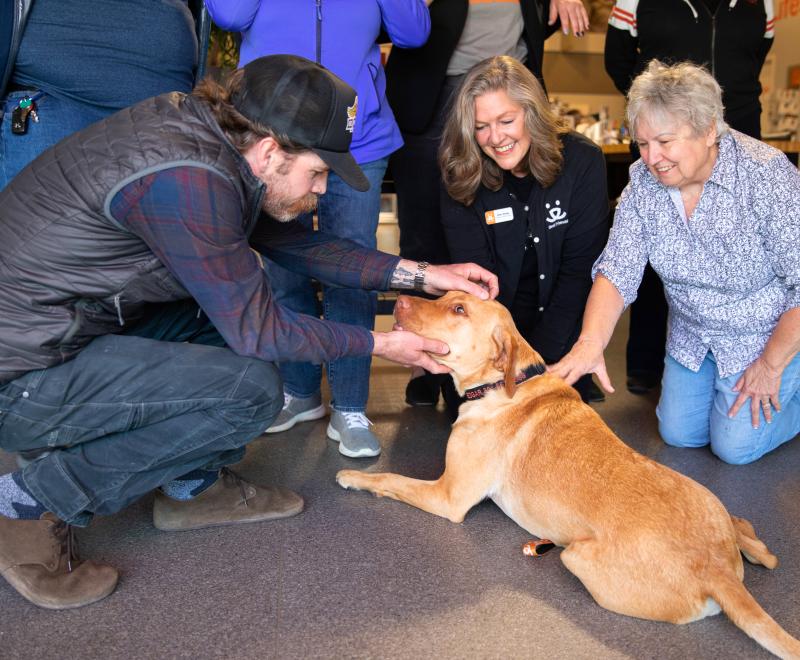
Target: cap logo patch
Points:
x,y
351,116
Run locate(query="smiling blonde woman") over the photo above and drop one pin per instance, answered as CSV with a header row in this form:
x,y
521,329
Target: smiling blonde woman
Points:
x,y
526,198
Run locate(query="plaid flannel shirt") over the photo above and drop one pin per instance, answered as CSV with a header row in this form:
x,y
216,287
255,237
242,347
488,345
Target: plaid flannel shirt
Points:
x,y
191,218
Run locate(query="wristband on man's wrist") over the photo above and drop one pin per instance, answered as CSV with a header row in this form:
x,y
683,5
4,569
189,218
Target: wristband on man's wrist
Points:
x,y
419,276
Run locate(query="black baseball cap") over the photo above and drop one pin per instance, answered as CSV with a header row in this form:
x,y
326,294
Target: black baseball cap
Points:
x,y
308,104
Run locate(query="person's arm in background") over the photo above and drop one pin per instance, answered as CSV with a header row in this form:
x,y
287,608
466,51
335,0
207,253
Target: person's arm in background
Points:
x,y
622,44
12,27
407,22
570,14
769,33
542,19
585,239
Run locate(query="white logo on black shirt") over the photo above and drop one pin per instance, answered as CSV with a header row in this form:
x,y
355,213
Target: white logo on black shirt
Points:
x,y
556,215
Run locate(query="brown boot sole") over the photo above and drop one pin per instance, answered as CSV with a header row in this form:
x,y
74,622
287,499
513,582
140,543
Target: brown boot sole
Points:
x,y
23,587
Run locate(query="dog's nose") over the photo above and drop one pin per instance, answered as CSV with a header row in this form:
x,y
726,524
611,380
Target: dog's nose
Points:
x,y
403,302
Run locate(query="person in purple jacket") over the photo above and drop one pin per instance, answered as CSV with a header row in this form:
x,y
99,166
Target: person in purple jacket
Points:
x,y
342,37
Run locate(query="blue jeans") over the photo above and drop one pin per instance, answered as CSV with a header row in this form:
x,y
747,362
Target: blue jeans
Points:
x,y
693,412
346,213
58,118
132,412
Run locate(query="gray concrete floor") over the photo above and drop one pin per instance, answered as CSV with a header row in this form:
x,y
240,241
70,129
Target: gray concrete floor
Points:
x,y
355,576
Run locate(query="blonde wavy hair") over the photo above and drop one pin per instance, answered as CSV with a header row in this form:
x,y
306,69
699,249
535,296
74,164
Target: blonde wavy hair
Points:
x,y
463,164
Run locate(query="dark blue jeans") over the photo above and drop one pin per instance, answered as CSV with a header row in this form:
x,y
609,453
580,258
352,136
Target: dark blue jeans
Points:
x,y
58,118
131,412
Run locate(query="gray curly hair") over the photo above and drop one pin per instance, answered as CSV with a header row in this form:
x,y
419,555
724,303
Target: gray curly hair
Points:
x,y
682,91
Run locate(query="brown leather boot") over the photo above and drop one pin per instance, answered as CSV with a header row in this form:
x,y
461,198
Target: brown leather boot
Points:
x,y
38,558
230,501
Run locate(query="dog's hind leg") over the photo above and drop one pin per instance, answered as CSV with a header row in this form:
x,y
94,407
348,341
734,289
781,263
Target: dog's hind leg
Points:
x,y
622,584
753,548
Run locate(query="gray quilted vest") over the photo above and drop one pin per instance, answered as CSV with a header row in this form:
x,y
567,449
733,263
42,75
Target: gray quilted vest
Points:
x,y
68,271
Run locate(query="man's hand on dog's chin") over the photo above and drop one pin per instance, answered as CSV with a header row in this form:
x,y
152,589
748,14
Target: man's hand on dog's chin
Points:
x,y
585,357
461,277
410,349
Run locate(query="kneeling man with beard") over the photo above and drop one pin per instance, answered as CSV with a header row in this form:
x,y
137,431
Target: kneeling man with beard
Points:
x,y
138,331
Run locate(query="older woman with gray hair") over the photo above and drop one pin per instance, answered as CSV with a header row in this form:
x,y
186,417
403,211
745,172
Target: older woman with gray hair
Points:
x,y
717,214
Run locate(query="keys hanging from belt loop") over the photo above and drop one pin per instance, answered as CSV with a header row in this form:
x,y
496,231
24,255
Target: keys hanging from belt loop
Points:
x,y
19,115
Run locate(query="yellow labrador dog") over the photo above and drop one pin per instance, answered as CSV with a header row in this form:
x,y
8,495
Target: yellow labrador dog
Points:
x,y
644,540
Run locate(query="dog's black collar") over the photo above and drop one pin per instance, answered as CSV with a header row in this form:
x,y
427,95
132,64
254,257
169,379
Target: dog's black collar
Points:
x,y
480,391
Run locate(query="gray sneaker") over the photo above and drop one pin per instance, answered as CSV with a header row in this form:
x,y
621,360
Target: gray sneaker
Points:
x,y
351,431
297,409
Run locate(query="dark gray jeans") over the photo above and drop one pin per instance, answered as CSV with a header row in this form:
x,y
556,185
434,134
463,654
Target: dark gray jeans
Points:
x,y
134,411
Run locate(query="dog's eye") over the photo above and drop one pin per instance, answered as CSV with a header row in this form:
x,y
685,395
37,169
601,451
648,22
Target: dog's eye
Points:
x,y
459,309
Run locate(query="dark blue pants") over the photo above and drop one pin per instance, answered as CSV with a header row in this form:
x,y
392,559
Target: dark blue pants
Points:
x,y
131,412
59,117
346,213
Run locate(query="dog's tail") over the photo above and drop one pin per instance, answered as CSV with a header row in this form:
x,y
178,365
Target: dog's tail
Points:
x,y
740,606
750,545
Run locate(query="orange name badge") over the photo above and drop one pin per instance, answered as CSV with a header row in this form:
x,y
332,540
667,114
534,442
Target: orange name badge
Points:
x,y
499,215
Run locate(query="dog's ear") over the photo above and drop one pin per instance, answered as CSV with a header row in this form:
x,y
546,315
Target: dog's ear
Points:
x,y
505,358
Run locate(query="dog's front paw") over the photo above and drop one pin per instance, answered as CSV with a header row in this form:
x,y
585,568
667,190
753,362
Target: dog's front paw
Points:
x,y
348,479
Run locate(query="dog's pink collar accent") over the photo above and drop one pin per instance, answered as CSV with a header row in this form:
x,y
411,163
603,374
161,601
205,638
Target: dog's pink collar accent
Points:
x,y
480,391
